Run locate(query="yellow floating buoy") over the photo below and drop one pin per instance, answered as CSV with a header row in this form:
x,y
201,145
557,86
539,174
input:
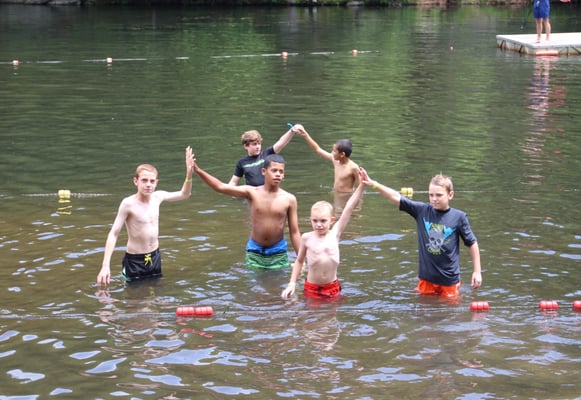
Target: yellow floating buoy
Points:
x,y
407,191
64,196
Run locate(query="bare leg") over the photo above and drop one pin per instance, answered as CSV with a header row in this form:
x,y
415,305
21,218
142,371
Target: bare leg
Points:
x,y
547,27
539,22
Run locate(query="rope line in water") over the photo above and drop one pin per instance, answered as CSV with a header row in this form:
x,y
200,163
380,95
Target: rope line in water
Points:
x,y
81,195
78,195
111,60
416,309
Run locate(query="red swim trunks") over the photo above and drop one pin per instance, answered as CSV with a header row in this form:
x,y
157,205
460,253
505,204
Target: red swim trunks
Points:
x,y
428,288
329,290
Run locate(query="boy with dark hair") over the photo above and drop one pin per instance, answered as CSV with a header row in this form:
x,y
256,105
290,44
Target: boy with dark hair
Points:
x,y
346,171
271,208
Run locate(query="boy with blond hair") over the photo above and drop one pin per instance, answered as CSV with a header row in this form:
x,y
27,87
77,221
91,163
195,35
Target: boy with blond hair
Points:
x,y
320,248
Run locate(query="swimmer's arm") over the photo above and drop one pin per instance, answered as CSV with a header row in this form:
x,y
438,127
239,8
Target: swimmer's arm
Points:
x,y
186,190
357,175
391,194
293,224
343,220
296,270
234,180
284,140
104,275
221,187
314,145
477,272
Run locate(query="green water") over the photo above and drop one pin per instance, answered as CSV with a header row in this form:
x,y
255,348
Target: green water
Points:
x,y
427,92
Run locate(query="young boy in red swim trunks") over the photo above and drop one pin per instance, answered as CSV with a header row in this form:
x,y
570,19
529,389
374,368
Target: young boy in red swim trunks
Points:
x,y
440,228
321,249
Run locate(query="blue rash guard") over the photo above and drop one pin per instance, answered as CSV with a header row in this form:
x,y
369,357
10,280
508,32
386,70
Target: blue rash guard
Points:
x,y
439,234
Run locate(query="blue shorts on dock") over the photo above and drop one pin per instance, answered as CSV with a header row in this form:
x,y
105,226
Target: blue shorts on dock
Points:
x,y
271,257
541,9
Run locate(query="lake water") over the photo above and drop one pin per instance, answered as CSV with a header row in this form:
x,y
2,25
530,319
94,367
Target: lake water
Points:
x,y
427,92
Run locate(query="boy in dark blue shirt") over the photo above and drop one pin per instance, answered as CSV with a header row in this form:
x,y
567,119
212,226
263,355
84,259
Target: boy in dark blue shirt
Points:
x,y
439,228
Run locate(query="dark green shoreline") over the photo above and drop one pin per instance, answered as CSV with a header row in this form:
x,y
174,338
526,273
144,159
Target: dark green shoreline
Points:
x,y
271,3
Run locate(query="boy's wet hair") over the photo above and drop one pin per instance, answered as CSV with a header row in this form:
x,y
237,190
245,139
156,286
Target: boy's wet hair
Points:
x,y
145,167
249,137
443,181
344,146
322,205
277,158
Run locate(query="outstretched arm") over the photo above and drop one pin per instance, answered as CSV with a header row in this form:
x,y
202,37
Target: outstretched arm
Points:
x,y
284,140
391,194
314,145
186,190
355,198
218,185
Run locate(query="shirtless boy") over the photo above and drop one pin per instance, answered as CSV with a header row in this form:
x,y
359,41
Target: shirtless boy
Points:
x,y
346,170
140,215
271,208
321,249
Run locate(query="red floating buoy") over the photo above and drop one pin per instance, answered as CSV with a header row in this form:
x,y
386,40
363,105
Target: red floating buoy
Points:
x,y
548,305
188,311
577,305
479,306
547,53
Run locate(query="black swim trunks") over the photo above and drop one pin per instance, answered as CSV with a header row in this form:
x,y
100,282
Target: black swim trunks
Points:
x,y
138,266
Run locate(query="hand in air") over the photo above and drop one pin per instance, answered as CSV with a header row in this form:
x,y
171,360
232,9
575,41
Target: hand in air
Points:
x,y
189,159
364,177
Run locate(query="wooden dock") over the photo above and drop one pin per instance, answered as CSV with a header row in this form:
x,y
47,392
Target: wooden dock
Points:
x,y
561,44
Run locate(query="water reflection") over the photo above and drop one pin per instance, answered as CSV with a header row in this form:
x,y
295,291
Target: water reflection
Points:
x,y
545,98
139,334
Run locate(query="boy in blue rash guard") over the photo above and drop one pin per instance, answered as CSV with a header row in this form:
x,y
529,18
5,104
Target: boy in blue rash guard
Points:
x,y
541,11
250,166
439,228
271,208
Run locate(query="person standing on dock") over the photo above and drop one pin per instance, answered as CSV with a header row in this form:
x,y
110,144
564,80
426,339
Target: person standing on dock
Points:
x,y
541,11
